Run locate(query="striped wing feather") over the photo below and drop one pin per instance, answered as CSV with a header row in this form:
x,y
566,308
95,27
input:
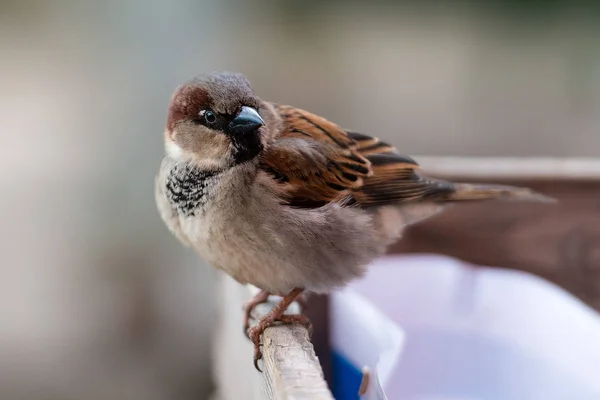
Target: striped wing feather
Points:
x,y
317,162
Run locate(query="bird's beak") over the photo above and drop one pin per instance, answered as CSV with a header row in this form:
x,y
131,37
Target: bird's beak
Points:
x,y
247,121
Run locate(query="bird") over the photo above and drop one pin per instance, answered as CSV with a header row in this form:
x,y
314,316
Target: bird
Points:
x,y
286,200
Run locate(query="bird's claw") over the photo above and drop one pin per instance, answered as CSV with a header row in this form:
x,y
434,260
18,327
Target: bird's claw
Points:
x,y
274,316
257,356
255,333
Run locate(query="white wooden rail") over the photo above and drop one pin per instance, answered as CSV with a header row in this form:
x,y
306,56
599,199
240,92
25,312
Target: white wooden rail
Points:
x,y
511,168
291,369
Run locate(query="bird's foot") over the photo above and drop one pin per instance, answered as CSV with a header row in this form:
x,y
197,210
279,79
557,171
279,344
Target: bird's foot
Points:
x,y
255,333
276,315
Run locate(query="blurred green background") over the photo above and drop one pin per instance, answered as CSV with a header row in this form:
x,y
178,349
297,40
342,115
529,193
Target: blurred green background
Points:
x,y
98,300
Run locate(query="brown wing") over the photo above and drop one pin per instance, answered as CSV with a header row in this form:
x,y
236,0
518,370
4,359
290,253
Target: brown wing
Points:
x,y
317,162
396,179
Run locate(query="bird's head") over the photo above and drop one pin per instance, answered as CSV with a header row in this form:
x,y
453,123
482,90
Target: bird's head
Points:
x,y
214,120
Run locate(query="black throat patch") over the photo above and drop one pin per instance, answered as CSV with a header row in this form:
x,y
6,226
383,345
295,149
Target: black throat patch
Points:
x,y
246,147
187,188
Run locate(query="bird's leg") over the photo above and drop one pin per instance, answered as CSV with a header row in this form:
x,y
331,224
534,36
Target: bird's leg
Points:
x,y
260,298
274,316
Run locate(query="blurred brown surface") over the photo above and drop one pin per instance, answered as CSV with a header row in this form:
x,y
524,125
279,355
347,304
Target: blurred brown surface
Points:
x,y
317,310
558,242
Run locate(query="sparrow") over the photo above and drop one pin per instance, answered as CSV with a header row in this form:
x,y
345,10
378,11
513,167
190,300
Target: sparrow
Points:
x,y
284,199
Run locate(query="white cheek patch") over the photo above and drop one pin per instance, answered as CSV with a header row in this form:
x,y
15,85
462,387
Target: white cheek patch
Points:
x,y
209,163
173,150
202,161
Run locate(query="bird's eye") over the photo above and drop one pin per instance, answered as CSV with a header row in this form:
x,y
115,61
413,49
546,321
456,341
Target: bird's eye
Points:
x,y
209,117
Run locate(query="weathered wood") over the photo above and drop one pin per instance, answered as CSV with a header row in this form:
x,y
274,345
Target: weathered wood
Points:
x,y
291,368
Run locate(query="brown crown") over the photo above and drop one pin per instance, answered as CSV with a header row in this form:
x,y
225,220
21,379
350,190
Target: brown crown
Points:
x,y
186,103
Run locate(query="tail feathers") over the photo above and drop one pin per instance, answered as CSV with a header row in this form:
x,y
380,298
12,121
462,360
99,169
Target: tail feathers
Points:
x,y
473,192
